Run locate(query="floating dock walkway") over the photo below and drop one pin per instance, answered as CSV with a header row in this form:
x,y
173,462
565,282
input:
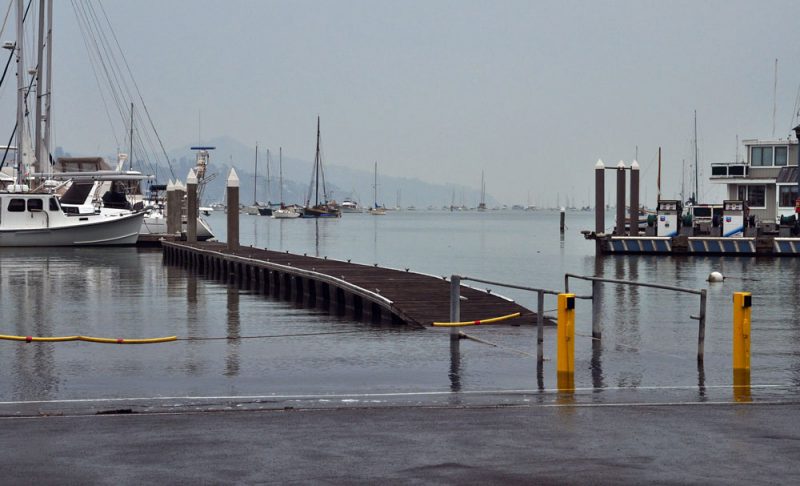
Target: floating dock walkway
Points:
x,y
367,292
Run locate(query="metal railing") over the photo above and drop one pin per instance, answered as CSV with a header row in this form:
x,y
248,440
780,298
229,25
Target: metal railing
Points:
x,y
596,281
455,305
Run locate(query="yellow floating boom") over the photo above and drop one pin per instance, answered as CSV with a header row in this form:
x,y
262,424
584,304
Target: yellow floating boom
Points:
x,y
478,322
90,339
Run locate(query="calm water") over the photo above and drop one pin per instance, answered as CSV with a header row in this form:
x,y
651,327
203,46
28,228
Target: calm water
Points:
x,y
649,341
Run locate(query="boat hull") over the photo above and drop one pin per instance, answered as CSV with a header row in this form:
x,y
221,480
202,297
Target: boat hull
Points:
x,y
118,231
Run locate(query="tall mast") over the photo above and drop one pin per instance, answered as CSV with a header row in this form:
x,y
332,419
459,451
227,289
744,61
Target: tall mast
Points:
x,y
280,169
483,190
658,184
316,168
39,67
375,186
683,179
130,157
20,88
268,198
696,195
255,178
48,72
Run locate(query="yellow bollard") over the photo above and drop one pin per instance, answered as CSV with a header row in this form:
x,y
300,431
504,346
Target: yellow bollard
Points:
x,y
742,305
742,302
566,341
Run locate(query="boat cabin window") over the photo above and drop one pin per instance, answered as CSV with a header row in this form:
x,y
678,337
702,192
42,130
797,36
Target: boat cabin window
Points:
x,y
16,205
54,204
35,204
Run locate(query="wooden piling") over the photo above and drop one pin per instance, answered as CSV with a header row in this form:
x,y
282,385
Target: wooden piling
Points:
x,y
192,212
233,210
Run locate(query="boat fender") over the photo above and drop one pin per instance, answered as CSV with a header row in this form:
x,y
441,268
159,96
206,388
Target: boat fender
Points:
x,y
715,277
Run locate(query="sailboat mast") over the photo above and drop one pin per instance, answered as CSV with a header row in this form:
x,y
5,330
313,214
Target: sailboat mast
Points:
x,y
255,178
375,186
48,84
658,181
696,195
316,168
268,198
20,88
130,158
280,170
39,66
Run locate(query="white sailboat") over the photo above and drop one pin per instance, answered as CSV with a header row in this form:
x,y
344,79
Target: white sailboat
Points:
x,y
482,204
376,209
283,212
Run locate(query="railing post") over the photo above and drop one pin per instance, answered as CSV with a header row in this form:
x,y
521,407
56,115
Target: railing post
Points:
x,y
566,342
742,303
701,337
540,328
455,305
596,308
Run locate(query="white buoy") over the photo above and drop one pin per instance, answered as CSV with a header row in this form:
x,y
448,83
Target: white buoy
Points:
x,y
715,277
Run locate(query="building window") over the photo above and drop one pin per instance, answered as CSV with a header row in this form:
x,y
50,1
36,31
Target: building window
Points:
x,y
761,156
787,196
755,196
16,205
741,193
781,157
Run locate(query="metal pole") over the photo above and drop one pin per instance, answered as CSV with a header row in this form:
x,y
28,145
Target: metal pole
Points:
x,y
566,283
233,210
596,333
702,328
599,197
20,89
620,231
540,328
455,304
39,64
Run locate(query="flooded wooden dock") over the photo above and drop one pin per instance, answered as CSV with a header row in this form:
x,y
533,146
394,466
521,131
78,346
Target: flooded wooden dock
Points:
x,y
366,292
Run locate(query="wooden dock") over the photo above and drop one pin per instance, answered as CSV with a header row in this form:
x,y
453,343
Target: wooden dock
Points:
x,y
366,292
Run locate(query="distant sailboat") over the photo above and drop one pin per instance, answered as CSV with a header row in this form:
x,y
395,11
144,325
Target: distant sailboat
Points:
x,y
266,210
321,208
482,204
376,209
283,212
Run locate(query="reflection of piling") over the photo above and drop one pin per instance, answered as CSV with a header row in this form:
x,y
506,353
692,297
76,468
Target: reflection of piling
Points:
x,y
192,212
599,197
620,199
634,210
233,210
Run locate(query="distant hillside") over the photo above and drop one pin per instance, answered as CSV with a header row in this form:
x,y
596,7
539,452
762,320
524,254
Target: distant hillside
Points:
x,y
342,182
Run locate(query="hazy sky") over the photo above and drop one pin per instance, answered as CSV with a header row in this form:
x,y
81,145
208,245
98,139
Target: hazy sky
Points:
x,y
533,92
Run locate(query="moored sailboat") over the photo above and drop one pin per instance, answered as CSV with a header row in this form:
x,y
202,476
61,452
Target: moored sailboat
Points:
x,y
322,208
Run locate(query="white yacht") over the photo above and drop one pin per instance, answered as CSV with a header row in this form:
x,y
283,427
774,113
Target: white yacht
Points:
x,y
37,219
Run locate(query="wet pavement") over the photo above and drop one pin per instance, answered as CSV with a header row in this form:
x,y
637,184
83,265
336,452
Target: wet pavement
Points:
x,y
558,441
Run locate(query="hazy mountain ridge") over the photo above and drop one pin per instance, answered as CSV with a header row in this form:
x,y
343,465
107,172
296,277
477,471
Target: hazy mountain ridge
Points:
x,y
342,182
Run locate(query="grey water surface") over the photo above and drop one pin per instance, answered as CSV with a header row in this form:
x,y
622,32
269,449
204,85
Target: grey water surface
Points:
x,y
649,340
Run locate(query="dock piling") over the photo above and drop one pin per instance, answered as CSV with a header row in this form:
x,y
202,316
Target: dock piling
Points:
x,y
192,211
233,210
620,231
455,305
633,224
599,197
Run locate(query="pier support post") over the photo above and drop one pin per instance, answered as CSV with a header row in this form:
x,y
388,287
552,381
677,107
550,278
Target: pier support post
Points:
x,y
620,231
455,305
742,306
173,209
233,210
540,327
562,220
566,342
701,332
192,211
596,309
599,197
633,227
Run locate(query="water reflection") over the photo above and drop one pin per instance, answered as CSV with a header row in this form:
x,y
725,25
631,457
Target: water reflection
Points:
x,y
455,366
233,329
